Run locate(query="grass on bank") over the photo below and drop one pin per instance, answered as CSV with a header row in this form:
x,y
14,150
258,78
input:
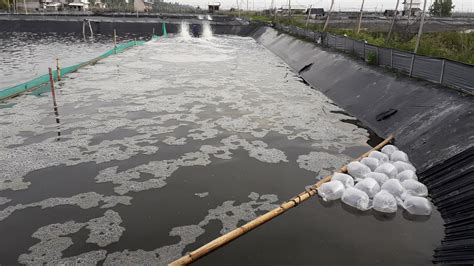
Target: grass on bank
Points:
x,y
458,46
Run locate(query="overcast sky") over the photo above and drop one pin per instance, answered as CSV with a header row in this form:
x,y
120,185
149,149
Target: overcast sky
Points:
x,y
460,5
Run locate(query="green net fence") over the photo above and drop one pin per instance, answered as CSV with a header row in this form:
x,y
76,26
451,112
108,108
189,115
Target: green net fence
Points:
x,y
42,81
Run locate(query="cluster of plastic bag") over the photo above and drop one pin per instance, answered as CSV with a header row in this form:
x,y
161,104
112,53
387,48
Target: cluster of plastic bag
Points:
x,y
383,181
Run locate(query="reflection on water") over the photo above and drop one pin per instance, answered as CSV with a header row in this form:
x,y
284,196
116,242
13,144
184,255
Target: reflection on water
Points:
x,y
144,133
25,55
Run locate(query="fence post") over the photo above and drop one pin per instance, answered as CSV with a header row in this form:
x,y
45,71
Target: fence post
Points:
x,y
363,51
442,72
412,63
377,54
391,58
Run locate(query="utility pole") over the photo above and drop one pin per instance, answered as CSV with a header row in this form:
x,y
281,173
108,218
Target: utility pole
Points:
x,y
24,5
420,31
329,14
360,17
393,22
247,5
409,13
289,8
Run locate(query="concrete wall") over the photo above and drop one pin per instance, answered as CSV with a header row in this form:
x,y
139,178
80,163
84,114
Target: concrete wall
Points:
x,y
432,123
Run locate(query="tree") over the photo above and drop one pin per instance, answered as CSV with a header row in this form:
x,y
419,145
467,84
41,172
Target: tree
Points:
x,y
441,8
4,4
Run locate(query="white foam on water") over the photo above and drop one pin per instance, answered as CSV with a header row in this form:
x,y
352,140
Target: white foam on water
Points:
x,y
206,30
53,241
184,30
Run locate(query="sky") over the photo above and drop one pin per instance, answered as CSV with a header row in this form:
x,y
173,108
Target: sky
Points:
x,y
370,5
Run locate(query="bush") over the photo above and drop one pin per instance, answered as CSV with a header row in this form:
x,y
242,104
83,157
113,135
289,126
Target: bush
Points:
x,y
372,58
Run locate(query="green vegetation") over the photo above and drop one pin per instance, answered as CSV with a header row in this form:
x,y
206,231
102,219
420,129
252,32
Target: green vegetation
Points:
x,y
452,45
4,4
372,58
441,8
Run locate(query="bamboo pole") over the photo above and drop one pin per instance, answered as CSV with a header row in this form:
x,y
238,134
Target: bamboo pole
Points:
x,y
360,17
309,14
393,22
24,6
303,196
55,105
327,18
58,69
420,30
51,81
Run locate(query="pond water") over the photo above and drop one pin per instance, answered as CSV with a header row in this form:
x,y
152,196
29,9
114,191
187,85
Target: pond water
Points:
x,y
168,145
26,55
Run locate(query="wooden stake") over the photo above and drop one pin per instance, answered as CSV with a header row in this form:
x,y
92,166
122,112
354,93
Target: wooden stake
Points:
x,y
51,81
58,69
224,239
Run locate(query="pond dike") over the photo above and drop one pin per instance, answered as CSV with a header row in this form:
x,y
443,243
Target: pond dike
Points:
x,y
122,24
434,125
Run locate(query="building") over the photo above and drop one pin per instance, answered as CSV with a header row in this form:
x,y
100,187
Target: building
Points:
x,y
143,5
315,12
213,7
99,4
78,5
415,7
295,9
390,12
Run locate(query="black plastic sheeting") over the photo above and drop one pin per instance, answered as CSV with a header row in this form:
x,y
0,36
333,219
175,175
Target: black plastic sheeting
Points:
x,y
451,185
106,25
437,70
433,124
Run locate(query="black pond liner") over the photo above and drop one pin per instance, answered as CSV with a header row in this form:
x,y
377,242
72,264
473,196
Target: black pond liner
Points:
x,y
451,184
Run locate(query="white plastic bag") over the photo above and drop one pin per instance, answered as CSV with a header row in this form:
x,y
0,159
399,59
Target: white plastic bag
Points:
x,y
393,187
402,166
387,168
385,202
357,169
389,149
369,186
331,190
415,188
370,162
407,174
382,157
356,198
417,205
379,177
399,156
346,180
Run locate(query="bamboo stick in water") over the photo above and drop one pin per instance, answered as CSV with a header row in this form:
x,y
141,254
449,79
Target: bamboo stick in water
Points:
x,y
303,196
